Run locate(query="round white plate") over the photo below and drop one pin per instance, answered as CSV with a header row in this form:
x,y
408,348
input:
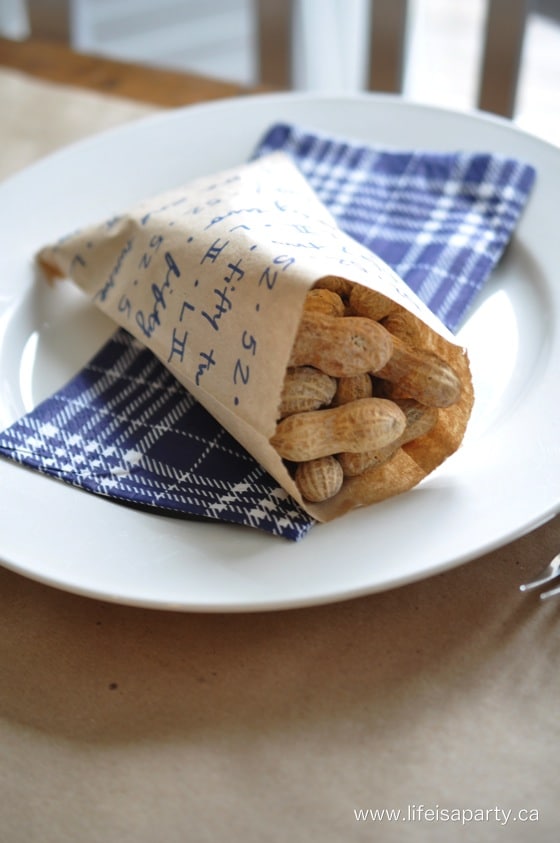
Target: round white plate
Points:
x,y
503,482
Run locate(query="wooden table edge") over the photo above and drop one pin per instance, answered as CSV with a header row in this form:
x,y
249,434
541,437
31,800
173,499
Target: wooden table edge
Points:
x,y
56,62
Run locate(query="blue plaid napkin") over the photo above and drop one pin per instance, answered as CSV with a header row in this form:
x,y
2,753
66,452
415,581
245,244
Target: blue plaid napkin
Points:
x,y
124,428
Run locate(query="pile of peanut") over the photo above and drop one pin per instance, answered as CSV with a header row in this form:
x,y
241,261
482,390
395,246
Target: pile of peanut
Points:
x,y
359,385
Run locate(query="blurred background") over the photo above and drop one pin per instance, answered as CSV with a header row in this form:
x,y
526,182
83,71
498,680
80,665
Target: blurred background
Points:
x,y
442,57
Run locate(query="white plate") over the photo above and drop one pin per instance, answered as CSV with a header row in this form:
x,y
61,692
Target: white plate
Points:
x,y
503,482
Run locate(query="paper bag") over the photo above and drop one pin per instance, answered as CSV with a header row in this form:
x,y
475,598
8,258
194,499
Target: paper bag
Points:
x,y
212,277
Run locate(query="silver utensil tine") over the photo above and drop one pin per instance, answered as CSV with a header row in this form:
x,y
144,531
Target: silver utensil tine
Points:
x,y
553,592
550,573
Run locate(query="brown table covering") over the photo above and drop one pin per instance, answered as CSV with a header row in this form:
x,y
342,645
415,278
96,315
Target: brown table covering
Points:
x,y
426,713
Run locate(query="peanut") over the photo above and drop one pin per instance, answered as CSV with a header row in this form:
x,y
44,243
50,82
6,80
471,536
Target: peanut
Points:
x,y
350,388
305,388
419,421
342,286
399,474
320,479
324,301
355,464
420,374
370,303
341,346
405,326
358,426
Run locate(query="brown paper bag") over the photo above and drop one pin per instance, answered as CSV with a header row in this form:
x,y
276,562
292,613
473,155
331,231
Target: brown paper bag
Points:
x,y
213,276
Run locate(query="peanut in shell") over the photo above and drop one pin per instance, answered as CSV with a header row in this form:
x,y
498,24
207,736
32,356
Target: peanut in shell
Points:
x,y
305,388
341,346
358,426
420,374
319,479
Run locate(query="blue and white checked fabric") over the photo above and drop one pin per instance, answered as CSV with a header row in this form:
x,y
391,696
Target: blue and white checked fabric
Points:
x,y
125,429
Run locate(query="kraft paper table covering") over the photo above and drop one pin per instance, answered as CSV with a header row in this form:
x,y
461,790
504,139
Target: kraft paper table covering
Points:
x,y
133,725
